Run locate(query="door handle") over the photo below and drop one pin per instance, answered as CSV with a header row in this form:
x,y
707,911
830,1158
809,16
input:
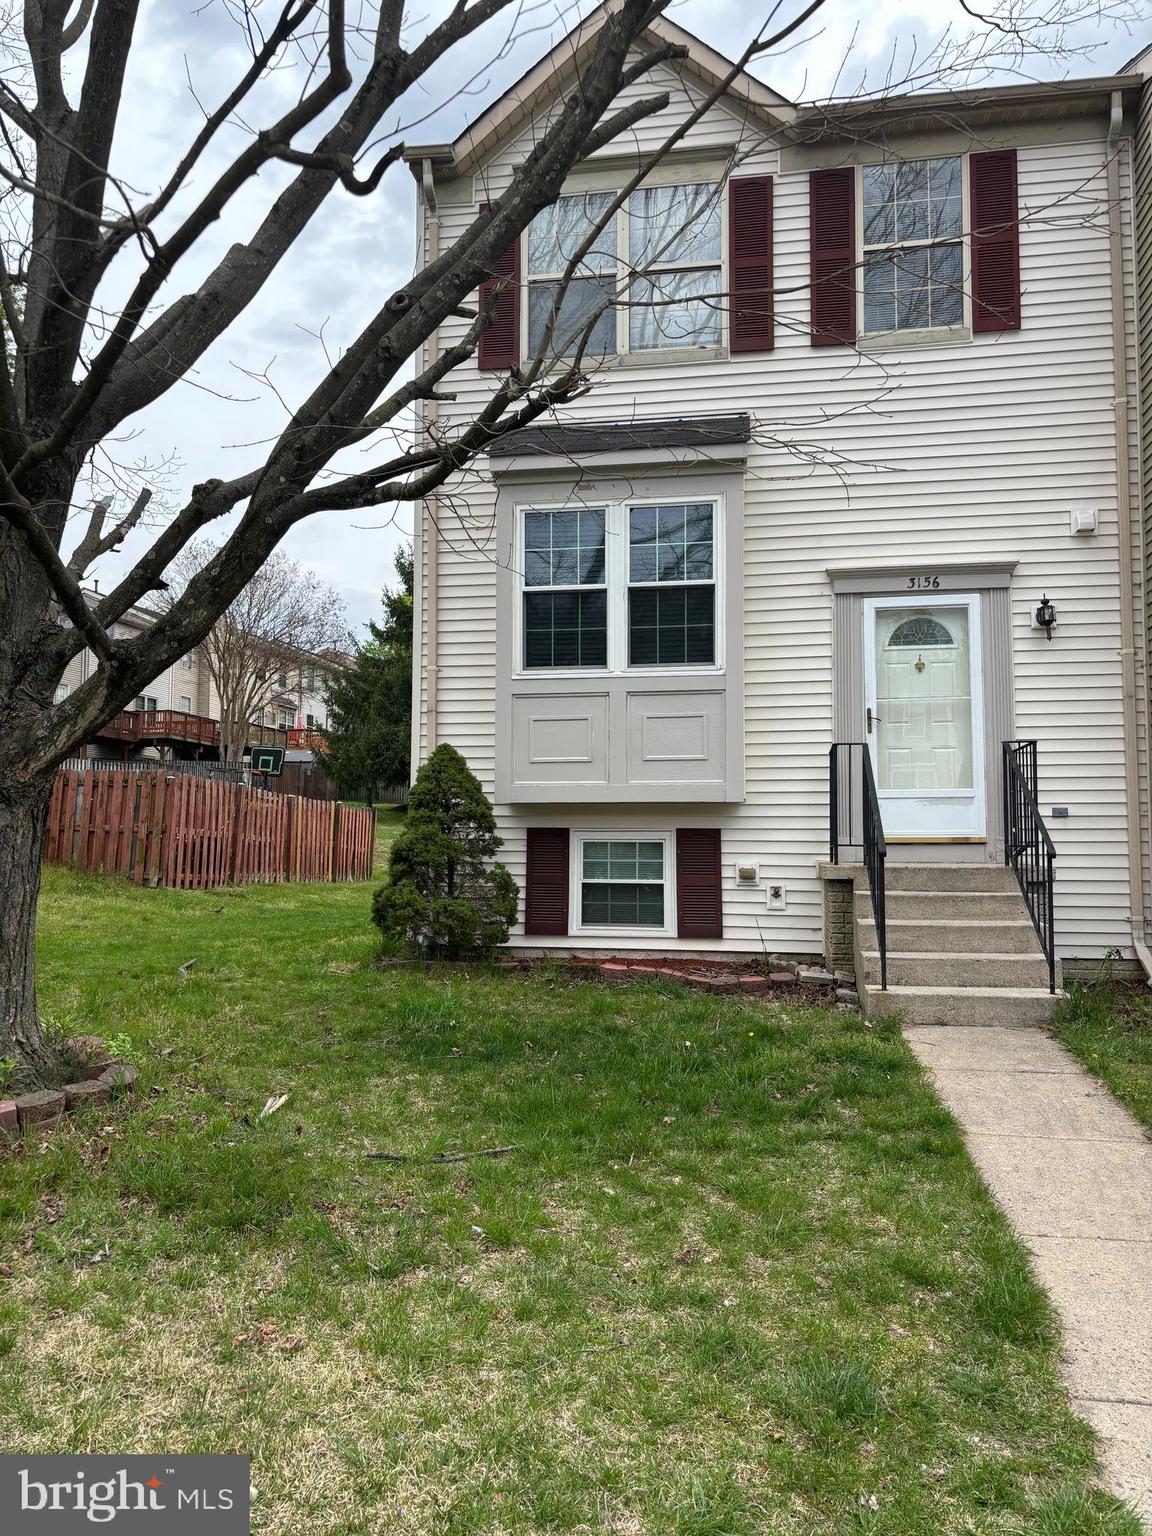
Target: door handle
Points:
x,y
870,718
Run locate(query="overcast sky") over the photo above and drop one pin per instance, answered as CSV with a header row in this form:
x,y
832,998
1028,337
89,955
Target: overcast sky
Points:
x,y
360,250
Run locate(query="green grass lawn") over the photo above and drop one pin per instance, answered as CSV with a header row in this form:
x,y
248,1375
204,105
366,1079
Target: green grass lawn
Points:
x,y
1109,1027
737,1276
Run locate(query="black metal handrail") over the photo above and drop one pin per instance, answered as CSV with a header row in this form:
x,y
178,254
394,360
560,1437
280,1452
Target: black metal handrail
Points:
x,y
854,822
1028,847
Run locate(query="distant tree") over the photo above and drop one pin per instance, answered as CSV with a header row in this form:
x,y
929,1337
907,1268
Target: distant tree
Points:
x,y
443,892
370,703
280,620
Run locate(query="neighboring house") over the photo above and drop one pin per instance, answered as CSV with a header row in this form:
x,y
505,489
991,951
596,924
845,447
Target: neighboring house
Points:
x,y
178,713
828,518
299,698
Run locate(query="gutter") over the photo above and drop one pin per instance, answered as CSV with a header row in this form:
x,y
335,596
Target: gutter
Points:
x,y
1118,145
428,523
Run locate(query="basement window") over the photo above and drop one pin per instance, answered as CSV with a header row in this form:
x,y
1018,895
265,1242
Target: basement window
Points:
x,y
624,883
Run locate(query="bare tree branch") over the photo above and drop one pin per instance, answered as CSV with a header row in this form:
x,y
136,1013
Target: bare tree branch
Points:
x,y
76,28
96,542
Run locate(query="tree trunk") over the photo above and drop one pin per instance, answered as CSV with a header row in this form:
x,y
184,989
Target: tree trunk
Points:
x,y
232,737
23,816
26,622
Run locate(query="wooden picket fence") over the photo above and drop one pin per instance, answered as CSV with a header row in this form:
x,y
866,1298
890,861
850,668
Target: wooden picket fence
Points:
x,y
175,829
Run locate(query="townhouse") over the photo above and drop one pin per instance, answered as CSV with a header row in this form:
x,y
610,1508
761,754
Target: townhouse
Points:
x,y
856,500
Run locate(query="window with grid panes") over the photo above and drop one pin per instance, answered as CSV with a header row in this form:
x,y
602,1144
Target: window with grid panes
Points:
x,y
666,239
913,245
565,589
671,586
627,585
622,884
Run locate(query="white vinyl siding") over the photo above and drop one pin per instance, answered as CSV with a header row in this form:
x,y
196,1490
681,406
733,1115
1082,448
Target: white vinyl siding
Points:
x,y
968,451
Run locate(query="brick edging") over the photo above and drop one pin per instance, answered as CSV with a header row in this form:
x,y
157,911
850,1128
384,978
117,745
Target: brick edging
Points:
x,y
788,976
43,1108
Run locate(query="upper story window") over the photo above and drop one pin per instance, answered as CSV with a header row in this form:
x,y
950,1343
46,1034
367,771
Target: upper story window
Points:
x,y
912,222
62,692
186,663
626,585
146,701
652,278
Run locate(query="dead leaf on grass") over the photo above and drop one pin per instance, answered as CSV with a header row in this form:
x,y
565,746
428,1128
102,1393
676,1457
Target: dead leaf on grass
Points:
x,y
267,1335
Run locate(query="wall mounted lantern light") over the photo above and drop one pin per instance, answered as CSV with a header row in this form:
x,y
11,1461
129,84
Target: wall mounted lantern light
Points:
x,y
1046,615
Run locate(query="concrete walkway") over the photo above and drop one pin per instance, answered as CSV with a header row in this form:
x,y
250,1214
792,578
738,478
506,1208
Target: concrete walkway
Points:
x,y
1072,1170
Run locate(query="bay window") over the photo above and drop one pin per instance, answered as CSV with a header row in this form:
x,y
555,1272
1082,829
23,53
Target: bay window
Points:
x,y
671,586
651,280
565,593
620,586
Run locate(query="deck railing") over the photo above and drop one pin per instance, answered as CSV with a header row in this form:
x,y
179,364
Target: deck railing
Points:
x,y
178,725
308,737
175,725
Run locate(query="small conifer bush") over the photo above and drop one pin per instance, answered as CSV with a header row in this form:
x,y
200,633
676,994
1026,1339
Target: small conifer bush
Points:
x,y
443,893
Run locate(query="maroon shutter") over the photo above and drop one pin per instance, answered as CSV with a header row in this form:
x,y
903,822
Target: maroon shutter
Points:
x,y
546,881
500,344
750,264
832,256
995,241
699,893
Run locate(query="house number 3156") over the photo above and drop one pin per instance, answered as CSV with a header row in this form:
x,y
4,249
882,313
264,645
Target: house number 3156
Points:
x,y
921,583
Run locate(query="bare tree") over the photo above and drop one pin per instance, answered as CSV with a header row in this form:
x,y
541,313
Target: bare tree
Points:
x,y
98,331
272,629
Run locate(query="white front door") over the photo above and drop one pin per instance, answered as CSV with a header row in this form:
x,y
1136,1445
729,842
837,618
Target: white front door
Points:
x,y
924,714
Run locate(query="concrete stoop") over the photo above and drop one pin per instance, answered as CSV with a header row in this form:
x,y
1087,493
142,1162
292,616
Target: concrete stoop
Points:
x,y
961,949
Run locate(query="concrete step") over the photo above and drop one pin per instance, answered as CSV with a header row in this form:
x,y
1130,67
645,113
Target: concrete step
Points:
x,y
1014,936
948,877
957,971
1001,1007
957,906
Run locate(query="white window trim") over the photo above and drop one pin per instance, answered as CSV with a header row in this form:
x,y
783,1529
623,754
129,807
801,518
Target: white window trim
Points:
x,y
616,584
621,271
917,335
622,835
